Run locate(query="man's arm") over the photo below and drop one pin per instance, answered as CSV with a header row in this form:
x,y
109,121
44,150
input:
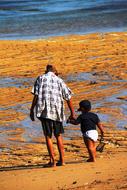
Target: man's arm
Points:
x,y
70,106
34,102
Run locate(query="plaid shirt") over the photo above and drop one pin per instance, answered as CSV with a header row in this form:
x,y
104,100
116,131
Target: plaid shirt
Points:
x,y
51,91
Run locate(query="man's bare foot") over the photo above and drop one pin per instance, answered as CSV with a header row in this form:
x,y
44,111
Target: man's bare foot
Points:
x,y
91,160
59,163
50,164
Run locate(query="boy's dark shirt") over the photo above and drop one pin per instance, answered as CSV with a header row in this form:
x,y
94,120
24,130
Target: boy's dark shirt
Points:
x,y
88,121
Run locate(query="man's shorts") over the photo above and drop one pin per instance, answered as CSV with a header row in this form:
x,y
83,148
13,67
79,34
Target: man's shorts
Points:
x,y
49,126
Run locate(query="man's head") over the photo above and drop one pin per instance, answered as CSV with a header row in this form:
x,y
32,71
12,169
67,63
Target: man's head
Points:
x,y
51,68
84,105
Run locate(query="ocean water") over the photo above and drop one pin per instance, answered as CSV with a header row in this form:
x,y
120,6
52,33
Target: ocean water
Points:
x,y
33,19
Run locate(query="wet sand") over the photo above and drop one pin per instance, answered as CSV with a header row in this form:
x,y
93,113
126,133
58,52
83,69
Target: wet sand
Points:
x,y
94,66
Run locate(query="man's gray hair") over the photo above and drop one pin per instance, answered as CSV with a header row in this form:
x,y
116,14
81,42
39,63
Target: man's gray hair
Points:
x,y
51,68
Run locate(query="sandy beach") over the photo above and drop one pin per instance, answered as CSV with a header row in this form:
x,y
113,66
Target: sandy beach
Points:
x,y
94,67
108,173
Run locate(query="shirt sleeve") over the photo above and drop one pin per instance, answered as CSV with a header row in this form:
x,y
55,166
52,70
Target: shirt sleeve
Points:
x,y
97,119
66,92
35,88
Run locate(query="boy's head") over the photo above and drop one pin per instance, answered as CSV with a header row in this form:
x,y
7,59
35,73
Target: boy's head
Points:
x,y
84,105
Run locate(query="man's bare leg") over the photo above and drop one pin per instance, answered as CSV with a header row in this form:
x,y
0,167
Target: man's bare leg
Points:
x,y
60,149
50,150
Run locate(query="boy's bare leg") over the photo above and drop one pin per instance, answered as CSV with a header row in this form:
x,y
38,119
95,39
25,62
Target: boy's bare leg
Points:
x,y
60,148
50,150
91,149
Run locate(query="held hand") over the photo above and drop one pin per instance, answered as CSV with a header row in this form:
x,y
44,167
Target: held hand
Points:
x,y
72,116
71,119
32,115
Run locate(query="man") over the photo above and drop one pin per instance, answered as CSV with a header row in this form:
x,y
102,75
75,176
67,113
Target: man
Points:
x,y
50,91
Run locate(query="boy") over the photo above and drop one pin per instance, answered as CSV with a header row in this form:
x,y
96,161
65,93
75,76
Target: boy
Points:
x,y
88,121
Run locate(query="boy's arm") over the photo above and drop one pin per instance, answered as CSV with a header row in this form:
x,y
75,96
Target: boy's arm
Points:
x,y
101,127
72,121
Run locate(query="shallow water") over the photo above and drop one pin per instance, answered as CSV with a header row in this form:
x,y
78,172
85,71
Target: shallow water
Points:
x,y
16,82
34,129
28,19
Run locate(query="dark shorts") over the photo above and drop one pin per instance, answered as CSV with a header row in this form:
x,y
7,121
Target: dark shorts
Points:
x,y
49,126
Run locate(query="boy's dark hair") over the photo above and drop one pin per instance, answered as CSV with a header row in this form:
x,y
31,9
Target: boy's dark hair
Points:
x,y
86,104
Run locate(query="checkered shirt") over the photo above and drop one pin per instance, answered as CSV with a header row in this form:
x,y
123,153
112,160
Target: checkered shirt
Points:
x,y
51,91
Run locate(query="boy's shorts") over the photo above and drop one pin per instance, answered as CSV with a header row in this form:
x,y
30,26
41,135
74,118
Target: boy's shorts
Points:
x,y
49,126
91,134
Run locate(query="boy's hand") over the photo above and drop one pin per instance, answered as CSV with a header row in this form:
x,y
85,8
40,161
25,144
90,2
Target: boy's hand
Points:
x,y
102,138
102,134
70,120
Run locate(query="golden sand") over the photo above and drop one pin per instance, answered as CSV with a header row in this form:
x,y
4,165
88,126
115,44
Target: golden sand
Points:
x,y
102,55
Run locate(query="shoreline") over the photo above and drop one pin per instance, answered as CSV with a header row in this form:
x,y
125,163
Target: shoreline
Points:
x,y
66,36
62,35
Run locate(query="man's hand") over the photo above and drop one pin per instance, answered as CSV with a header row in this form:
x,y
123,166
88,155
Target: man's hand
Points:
x,y
34,102
71,120
32,115
72,116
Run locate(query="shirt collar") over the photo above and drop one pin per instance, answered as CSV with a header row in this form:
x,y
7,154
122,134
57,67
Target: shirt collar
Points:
x,y
50,73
